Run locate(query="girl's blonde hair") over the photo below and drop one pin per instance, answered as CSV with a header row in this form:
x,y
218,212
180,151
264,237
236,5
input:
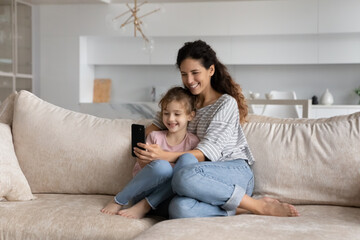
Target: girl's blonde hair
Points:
x,y
179,94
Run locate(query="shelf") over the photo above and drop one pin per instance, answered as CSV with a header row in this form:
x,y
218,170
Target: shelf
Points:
x,y
6,74
24,76
6,61
336,106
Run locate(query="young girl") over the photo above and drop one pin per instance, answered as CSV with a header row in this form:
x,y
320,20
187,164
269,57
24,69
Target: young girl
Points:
x,y
151,184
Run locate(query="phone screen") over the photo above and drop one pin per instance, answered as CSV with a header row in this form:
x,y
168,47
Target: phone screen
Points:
x,y
137,135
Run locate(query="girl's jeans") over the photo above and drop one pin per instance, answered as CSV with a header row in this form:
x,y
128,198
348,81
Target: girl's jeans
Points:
x,y
205,189
153,183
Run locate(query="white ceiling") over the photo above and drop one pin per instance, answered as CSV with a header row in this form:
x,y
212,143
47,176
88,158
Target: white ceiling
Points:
x,y
116,1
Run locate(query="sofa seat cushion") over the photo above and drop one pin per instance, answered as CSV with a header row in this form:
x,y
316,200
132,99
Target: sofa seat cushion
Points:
x,y
315,222
60,216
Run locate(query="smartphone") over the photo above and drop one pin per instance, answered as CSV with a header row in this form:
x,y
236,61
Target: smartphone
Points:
x,y
137,135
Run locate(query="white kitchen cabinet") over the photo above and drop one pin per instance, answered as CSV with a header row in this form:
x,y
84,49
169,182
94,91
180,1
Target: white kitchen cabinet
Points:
x,y
274,49
324,111
233,18
339,16
116,50
166,48
231,50
339,48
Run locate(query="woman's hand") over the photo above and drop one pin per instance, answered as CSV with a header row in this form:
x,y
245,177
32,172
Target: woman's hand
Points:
x,y
152,152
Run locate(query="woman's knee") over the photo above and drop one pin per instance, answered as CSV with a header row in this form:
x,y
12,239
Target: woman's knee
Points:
x,y
161,168
186,159
184,181
181,207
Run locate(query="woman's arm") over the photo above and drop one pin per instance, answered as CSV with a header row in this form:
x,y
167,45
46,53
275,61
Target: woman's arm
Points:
x,y
154,152
151,128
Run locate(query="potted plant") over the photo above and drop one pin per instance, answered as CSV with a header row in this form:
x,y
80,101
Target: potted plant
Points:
x,y
357,91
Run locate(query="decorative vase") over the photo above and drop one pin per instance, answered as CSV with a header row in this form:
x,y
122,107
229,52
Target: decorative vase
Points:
x,y
327,98
315,100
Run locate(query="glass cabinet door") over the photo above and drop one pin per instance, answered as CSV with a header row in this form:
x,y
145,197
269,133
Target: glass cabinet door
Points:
x,y
23,84
6,46
6,87
15,47
23,23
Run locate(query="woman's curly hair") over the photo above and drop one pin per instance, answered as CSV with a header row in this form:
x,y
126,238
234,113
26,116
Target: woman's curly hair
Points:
x,y
221,81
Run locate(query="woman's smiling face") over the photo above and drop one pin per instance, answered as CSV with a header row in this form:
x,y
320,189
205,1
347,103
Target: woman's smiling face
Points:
x,y
195,76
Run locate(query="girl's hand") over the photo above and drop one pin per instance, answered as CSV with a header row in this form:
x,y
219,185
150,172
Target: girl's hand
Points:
x,y
152,152
142,163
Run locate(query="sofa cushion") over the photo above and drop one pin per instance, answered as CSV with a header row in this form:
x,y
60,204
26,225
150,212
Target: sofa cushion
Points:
x,y
306,161
66,217
13,184
7,109
315,222
61,151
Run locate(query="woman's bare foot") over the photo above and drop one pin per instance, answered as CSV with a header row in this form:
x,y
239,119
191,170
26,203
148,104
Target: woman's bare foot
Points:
x,y
137,211
268,199
240,210
273,207
111,208
268,206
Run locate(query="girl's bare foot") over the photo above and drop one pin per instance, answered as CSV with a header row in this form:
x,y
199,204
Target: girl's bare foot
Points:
x,y
111,208
273,207
137,211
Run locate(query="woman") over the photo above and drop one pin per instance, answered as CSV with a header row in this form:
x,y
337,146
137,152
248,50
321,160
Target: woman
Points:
x,y
215,178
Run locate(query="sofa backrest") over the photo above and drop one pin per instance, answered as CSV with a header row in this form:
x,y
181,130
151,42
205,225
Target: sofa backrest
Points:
x,y
306,161
301,161
61,151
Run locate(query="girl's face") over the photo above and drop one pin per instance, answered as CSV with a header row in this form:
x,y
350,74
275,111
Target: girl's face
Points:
x,y
175,117
195,76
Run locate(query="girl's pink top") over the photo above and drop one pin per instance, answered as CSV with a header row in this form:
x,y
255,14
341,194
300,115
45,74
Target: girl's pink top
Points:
x,y
159,137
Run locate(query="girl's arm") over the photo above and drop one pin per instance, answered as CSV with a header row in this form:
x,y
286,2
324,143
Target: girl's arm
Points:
x,y
154,151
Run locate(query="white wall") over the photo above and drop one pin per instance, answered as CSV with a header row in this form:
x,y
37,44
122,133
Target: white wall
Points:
x,y
61,26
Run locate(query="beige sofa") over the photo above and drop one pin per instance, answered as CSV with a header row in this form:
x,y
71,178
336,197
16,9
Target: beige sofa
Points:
x,y
58,168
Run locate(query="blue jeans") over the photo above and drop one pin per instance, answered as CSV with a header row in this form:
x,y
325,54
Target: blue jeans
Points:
x,y
205,189
153,183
